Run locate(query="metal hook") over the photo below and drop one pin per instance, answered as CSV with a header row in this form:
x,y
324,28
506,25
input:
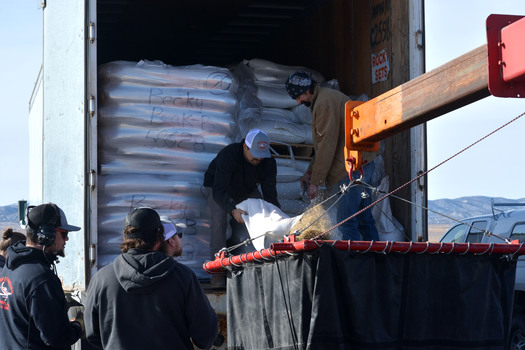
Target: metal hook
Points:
x,y
351,162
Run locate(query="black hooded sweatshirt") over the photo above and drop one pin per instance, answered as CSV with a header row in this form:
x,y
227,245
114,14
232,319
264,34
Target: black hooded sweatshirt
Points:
x,y
233,179
146,300
33,308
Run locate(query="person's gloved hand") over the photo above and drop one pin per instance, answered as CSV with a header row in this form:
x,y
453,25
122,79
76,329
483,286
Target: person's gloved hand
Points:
x,y
312,191
305,180
76,314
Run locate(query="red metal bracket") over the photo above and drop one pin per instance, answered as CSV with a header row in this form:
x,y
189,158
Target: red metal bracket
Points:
x,y
506,51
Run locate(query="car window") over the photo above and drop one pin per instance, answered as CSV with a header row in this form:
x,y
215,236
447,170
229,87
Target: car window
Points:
x,y
475,233
518,232
455,234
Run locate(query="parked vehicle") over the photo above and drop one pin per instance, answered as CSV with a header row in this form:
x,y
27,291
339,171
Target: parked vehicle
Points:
x,y
499,227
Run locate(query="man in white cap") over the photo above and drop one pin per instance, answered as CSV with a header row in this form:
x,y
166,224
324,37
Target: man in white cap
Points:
x,y
33,307
172,245
232,177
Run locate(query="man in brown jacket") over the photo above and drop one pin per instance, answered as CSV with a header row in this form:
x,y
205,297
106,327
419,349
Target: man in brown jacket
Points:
x,y
328,166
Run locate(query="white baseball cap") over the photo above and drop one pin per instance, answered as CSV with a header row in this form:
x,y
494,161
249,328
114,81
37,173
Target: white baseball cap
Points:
x,y
259,143
170,228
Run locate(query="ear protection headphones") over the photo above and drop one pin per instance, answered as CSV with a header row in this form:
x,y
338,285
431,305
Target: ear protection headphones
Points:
x,y
45,233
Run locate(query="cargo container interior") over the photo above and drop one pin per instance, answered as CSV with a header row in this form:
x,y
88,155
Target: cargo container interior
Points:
x,y
334,37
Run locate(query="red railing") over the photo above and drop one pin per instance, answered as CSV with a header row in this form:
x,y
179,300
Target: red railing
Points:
x,y
276,249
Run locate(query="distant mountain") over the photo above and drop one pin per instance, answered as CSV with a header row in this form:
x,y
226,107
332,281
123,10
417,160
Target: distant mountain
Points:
x,y
9,213
464,207
458,208
9,217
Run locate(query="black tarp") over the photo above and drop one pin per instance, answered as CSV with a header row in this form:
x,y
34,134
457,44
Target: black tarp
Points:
x,y
331,299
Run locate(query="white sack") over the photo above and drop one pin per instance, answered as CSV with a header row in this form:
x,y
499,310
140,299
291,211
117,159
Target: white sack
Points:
x,y
265,222
156,73
298,164
288,174
274,95
387,225
289,190
269,71
302,114
279,131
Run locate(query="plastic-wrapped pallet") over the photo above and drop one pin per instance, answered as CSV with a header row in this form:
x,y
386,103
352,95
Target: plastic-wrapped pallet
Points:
x,y
159,128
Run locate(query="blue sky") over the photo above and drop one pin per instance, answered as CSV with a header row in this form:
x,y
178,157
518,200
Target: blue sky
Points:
x,y
495,166
492,168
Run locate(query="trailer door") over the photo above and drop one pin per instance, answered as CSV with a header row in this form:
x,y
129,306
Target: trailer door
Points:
x,y
63,138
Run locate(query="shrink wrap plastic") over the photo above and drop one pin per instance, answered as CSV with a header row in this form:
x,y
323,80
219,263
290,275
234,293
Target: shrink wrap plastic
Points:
x,y
156,73
159,128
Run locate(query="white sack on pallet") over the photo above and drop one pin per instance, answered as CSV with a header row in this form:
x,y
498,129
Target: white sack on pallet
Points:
x,y
302,114
298,164
167,138
219,122
272,72
266,223
274,95
159,128
288,174
181,206
279,130
180,182
289,190
279,114
156,73
154,160
168,96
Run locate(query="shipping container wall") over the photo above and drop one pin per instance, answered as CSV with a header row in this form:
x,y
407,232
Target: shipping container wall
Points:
x,y
365,45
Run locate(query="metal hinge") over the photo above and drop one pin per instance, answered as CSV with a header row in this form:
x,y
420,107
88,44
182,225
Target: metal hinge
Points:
x,y
91,32
92,179
92,254
419,39
91,105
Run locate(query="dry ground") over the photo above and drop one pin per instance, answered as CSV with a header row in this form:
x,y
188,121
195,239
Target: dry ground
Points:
x,y
435,232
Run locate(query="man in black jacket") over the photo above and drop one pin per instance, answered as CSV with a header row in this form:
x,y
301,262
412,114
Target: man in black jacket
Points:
x,y
233,176
33,308
145,299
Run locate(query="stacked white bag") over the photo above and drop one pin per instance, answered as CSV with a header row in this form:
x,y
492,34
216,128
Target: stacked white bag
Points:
x,y
266,105
159,128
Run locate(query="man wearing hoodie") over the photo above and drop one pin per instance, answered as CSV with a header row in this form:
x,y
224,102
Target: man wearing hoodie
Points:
x,y
33,308
145,299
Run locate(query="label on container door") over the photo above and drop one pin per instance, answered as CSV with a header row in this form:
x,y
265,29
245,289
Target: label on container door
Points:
x,y
380,67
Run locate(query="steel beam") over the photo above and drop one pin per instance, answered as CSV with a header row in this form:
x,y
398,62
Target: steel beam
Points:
x,y
453,85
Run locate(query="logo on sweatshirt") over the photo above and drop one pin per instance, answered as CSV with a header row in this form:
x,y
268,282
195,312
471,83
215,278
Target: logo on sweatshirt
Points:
x,y
6,289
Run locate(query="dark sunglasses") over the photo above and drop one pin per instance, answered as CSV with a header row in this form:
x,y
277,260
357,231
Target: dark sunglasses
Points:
x,y
63,232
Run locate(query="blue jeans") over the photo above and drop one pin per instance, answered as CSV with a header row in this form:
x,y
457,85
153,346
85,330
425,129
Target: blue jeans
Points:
x,y
350,203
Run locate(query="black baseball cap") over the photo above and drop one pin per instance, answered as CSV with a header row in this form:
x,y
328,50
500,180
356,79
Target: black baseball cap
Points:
x,y
145,220
48,214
